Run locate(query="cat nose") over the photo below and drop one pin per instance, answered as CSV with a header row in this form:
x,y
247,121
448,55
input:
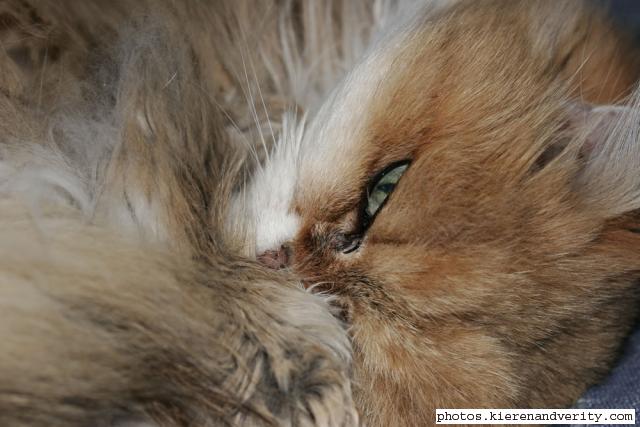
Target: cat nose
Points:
x,y
275,258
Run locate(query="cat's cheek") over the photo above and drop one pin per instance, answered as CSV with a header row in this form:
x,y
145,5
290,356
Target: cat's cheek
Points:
x,y
397,266
440,279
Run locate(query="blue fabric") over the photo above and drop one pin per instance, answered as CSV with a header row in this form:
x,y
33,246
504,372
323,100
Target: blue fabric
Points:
x,y
627,13
621,389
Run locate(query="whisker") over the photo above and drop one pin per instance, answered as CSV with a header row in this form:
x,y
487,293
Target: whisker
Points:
x,y
252,108
264,106
251,147
42,73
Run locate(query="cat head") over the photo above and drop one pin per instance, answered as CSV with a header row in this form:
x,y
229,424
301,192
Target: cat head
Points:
x,y
471,214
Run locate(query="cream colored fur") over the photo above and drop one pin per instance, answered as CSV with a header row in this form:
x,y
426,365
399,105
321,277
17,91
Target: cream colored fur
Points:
x,y
150,149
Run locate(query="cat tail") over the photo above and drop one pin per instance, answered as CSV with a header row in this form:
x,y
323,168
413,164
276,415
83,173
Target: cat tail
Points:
x,y
98,329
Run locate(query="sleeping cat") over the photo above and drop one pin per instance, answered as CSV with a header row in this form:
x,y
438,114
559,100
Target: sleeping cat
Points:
x,y
456,183
121,303
468,195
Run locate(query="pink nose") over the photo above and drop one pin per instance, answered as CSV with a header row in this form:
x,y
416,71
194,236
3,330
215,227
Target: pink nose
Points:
x,y
275,258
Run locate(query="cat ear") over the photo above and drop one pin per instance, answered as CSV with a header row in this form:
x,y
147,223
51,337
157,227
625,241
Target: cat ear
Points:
x,y
609,177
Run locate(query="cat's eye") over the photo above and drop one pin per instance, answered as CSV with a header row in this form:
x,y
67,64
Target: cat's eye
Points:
x,y
382,187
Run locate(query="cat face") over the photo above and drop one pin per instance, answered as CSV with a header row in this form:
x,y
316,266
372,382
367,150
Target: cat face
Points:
x,y
443,195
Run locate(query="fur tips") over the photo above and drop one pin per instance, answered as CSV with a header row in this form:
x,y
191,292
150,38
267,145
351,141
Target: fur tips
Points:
x,y
99,329
609,178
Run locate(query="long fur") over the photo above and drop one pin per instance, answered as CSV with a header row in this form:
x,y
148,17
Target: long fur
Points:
x,y
98,329
145,145
122,128
503,269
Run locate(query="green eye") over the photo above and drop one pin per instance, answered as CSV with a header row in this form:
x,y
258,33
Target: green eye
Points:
x,y
382,188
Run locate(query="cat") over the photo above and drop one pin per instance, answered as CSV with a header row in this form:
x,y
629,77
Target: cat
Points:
x,y
122,301
468,193
441,182
101,330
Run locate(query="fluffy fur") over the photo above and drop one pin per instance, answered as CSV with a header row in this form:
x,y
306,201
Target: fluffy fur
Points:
x,y
501,273
98,329
503,270
121,300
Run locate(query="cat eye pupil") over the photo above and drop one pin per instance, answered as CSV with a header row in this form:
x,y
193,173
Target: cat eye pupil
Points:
x,y
386,188
384,184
